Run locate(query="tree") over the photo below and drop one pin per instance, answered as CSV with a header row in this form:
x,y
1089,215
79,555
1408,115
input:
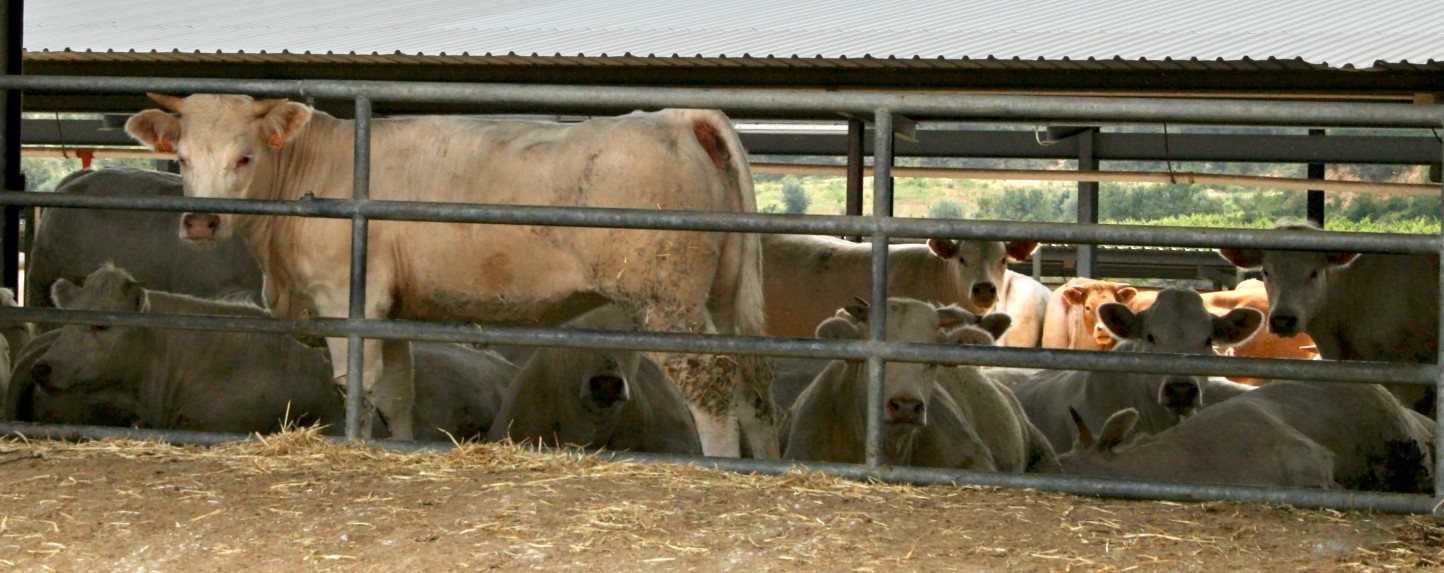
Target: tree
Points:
x,y
794,199
945,208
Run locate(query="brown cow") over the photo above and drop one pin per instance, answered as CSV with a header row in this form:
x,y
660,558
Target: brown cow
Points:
x,y
231,146
1071,320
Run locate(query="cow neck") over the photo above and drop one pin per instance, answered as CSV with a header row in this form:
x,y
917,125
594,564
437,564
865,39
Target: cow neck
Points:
x,y
924,275
305,165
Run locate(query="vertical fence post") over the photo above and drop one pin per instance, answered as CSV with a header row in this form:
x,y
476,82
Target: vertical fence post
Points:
x,y
1087,259
855,129
1439,376
11,48
1315,198
877,315
355,345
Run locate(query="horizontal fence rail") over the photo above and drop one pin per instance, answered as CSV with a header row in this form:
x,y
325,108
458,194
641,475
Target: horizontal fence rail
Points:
x,y
1141,235
1066,109
883,107
1151,363
1093,486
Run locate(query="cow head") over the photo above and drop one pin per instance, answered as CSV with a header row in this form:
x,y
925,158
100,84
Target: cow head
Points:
x,y
1088,296
1297,282
978,267
1094,455
909,387
221,143
1178,323
86,355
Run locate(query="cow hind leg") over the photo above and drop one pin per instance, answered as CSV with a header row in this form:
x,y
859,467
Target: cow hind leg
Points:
x,y
395,393
340,354
757,415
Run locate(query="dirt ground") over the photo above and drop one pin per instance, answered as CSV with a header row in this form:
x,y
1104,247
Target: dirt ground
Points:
x,y
294,502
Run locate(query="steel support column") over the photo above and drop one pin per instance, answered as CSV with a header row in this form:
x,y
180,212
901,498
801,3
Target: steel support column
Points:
x,y
1087,203
1439,378
877,315
10,64
1316,197
855,143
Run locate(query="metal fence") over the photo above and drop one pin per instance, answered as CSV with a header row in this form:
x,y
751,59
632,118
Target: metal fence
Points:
x,y
883,107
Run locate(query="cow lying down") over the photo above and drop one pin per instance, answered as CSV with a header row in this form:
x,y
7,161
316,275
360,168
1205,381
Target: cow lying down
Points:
x,y
1176,323
934,415
1286,433
600,399
220,381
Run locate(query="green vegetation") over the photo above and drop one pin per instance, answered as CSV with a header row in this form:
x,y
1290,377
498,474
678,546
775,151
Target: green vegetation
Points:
x,y
794,199
1131,203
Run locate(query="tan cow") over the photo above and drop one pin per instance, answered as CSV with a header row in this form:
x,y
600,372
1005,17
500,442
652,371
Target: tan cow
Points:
x,y
1071,320
1026,300
1247,294
232,146
809,277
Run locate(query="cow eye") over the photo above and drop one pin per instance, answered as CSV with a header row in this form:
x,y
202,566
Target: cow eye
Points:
x,y
1150,339
99,328
1313,275
244,161
183,161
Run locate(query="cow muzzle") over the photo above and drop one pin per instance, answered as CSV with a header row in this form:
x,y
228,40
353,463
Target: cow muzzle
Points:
x,y
605,392
203,227
1181,395
43,374
905,410
1285,325
984,294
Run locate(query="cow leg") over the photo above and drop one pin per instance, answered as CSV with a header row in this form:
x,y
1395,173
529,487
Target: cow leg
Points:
x,y
340,352
757,415
395,394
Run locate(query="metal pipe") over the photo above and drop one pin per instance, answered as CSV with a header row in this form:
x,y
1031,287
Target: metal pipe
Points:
x,y
1078,485
1439,377
1321,370
1087,206
855,131
877,314
1031,109
11,62
356,308
755,222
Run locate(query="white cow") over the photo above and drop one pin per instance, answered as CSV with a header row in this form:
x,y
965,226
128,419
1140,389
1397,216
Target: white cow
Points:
x,y
1356,307
231,146
810,277
1176,323
1026,300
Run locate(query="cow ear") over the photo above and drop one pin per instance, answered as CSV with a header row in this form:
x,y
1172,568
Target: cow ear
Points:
x,y
1126,293
995,323
135,294
968,335
837,328
1340,259
156,129
1020,250
1117,428
1073,295
1120,321
281,120
1236,327
1084,440
63,293
952,315
169,102
1247,259
944,248
857,313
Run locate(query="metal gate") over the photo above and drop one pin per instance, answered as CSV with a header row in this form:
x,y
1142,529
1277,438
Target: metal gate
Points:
x,y
883,108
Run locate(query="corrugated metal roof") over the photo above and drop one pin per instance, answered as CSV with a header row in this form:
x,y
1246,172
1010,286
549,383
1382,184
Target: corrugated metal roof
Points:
x,y
1336,33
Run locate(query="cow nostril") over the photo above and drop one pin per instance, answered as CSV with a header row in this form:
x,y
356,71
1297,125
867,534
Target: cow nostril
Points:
x,y
1283,324
40,372
904,410
606,390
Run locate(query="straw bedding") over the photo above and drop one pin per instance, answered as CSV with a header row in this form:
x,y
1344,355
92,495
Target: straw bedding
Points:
x,y
293,500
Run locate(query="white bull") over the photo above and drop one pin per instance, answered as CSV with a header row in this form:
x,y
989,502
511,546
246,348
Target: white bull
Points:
x,y
231,146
